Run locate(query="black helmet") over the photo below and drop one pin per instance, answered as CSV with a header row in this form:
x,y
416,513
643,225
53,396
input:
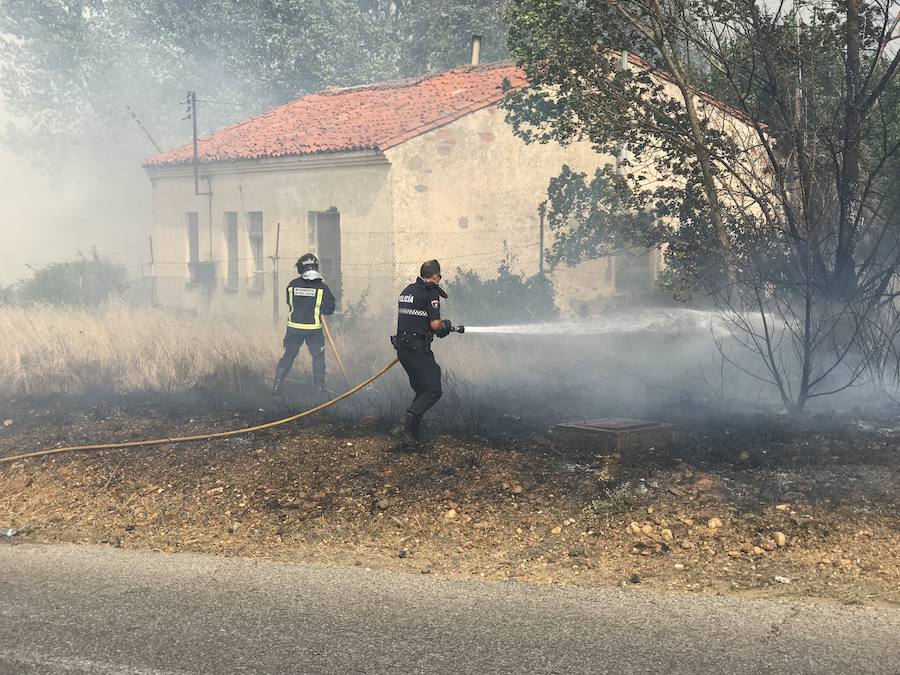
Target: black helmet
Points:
x,y
307,262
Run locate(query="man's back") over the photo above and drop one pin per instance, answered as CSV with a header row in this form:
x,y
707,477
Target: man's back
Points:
x,y
308,300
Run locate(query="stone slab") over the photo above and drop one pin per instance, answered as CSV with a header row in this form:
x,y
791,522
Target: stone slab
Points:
x,y
616,434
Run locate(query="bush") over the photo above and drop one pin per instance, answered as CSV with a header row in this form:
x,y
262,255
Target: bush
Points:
x,y
507,299
354,316
81,283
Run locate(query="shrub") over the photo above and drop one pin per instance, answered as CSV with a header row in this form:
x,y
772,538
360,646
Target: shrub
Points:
x,y
80,283
354,316
508,298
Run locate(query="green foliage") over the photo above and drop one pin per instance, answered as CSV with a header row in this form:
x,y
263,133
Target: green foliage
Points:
x,y
572,51
353,317
781,205
85,282
590,217
509,298
723,214
74,68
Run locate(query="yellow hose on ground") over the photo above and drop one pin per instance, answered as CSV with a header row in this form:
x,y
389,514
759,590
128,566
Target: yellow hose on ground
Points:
x,y
334,348
204,437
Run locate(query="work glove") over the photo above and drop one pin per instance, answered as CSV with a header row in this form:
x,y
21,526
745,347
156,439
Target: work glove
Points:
x,y
445,330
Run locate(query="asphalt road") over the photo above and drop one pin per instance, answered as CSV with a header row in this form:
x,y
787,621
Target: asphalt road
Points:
x,y
80,609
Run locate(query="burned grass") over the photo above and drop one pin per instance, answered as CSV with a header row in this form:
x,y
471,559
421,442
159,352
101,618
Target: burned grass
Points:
x,y
754,508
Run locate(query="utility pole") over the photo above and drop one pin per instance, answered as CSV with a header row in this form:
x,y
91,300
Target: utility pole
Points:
x,y
542,211
623,149
192,113
192,107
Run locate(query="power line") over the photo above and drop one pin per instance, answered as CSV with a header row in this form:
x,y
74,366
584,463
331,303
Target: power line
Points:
x,y
142,127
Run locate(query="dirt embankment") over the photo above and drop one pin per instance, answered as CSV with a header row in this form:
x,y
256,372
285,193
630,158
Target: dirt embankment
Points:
x,y
748,508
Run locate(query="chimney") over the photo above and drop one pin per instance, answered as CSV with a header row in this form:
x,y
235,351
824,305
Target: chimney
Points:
x,y
476,50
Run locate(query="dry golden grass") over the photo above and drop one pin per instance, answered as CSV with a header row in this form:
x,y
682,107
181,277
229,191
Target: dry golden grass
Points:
x,y
122,348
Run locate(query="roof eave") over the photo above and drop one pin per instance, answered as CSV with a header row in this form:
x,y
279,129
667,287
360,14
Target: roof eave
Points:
x,y
296,162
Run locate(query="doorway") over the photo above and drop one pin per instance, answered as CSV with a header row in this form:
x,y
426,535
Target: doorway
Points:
x,y
325,239
634,272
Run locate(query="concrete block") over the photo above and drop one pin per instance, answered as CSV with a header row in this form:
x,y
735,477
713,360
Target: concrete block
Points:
x,y
616,434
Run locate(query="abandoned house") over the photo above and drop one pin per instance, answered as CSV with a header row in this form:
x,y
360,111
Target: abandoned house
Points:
x,y
373,180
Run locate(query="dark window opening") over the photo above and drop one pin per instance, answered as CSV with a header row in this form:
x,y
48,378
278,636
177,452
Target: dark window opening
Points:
x,y
231,245
325,240
255,231
193,240
634,272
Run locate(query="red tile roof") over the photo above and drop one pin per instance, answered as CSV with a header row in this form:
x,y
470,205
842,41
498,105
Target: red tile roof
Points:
x,y
375,117
636,60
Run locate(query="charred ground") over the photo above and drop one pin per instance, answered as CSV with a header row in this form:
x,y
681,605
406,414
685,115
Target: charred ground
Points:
x,y
812,503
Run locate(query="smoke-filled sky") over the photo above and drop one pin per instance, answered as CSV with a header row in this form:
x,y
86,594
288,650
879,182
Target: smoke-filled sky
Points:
x,y
45,219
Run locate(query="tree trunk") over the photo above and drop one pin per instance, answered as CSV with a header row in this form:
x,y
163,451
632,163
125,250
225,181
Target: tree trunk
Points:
x,y
703,158
844,281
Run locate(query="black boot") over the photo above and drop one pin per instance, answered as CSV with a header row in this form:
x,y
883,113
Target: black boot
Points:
x,y
416,428
280,374
404,432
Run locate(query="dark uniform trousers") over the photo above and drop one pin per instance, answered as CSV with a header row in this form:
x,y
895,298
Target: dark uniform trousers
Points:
x,y
315,342
424,373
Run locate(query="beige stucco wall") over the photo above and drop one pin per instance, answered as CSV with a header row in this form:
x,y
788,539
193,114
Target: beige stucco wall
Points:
x,y
468,194
357,184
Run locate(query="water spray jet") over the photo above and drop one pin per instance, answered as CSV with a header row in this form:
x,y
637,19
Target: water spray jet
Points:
x,y
643,321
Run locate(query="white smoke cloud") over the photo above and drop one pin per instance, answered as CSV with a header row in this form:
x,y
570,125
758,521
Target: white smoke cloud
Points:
x,y
95,202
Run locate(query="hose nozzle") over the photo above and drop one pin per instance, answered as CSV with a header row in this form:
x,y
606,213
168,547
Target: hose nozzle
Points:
x,y
459,329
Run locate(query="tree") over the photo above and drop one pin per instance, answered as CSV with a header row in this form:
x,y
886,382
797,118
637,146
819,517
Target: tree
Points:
x,y
85,69
779,206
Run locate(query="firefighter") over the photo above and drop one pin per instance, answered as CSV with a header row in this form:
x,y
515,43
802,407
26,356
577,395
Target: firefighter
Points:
x,y
308,298
418,321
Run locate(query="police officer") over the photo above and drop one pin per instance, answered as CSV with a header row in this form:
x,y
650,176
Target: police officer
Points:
x,y
418,321
308,299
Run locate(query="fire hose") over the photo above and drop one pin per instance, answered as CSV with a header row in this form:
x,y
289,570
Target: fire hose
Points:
x,y
203,437
337,354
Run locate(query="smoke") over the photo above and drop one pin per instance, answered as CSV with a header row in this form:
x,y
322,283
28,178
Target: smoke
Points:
x,y
87,200
665,363
94,194
655,363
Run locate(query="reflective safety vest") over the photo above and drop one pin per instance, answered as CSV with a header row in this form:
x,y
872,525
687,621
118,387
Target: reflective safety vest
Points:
x,y
308,301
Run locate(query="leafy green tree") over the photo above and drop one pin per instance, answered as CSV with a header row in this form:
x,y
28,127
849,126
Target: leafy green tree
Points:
x,y
780,206
82,70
